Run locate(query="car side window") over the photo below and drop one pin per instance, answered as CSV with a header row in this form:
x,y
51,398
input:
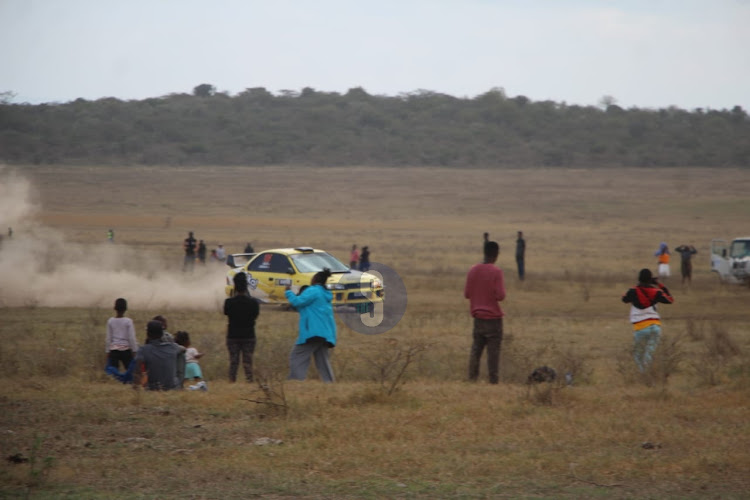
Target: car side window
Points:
x,y
270,263
261,263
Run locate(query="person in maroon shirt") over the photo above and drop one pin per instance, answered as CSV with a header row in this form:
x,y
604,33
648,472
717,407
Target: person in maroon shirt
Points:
x,y
485,288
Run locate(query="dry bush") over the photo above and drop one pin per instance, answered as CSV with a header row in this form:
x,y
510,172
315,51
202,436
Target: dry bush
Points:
x,y
695,329
270,370
92,359
545,393
391,361
716,356
667,361
518,361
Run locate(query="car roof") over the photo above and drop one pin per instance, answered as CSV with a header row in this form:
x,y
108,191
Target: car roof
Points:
x,y
293,251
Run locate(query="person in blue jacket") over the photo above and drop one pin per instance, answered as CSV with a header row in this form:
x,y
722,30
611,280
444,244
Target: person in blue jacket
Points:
x,y
317,329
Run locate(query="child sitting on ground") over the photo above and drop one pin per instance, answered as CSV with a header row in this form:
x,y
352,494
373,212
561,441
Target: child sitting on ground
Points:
x,y
192,368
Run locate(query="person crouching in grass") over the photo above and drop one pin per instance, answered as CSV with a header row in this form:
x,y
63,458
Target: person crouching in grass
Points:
x,y
159,360
192,368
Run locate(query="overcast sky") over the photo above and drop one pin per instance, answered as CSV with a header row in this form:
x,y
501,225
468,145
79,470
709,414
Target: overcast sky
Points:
x,y
644,53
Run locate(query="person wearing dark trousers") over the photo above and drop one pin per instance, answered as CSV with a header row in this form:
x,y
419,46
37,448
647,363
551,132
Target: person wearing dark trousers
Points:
x,y
364,259
121,345
241,310
686,263
485,288
189,245
520,255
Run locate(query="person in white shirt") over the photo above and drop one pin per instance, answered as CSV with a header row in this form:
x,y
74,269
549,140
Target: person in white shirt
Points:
x,y
192,368
120,343
221,254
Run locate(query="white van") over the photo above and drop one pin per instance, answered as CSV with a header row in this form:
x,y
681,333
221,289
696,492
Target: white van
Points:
x,y
731,262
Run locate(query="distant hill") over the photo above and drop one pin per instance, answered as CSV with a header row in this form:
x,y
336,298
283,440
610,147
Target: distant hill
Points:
x,y
256,127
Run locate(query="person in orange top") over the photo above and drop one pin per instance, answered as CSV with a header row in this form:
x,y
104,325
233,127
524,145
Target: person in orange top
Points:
x,y
663,260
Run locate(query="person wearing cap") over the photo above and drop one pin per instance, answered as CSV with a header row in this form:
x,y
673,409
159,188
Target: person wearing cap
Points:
x,y
644,316
159,359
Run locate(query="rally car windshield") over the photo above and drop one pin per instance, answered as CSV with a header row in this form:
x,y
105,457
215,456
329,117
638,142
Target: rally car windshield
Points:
x,y
314,262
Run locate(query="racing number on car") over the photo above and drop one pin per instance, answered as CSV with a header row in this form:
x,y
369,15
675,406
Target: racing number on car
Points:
x,y
252,283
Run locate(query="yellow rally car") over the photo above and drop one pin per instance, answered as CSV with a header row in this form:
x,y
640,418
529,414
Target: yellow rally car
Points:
x,y
270,271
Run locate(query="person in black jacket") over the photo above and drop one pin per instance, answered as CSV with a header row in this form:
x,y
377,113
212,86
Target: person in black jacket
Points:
x,y
520,255
242,310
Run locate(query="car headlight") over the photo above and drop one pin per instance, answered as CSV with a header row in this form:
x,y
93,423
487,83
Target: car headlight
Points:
x,y
335,286
376,284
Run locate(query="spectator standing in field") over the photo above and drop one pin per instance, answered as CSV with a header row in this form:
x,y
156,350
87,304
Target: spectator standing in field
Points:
x,y
644,316
189,245
159,360
192,368
317,329
242,310
202,252
249,248
120,342
111,235
364,259
221,254
485,288
662,255
520,255
354,258
686,262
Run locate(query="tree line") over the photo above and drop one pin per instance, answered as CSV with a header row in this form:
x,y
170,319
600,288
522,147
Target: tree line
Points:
x,y
309,127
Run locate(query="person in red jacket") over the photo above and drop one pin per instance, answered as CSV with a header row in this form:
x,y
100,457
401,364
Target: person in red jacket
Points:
x,y
644,316
485,288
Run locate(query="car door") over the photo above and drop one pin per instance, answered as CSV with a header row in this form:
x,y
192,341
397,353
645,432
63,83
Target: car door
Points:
x,y
268,275
720,258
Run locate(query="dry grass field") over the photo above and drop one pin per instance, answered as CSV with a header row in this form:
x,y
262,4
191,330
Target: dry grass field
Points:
x,y
680,431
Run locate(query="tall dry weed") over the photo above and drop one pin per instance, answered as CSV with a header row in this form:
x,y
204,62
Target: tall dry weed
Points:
x,y
667,361
714,361
391,361
270,371
695,329
519,360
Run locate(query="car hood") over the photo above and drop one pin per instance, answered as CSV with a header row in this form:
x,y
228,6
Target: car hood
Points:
x,y
351,277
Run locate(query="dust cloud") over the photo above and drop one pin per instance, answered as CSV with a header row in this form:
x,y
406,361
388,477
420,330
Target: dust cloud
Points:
x,y
38,267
